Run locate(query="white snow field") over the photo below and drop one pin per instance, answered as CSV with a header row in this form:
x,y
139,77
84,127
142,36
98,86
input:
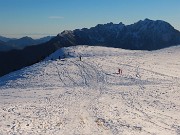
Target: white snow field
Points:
x,y
89,97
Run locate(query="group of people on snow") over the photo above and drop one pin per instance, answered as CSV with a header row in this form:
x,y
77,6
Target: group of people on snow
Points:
x,y
80,59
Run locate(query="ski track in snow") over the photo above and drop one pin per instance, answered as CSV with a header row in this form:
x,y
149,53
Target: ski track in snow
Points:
x,y
89,97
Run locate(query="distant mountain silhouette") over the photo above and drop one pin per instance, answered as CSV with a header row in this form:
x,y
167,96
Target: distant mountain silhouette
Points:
x,y
143,35
5,39
44,39
5,47
22,42
10,44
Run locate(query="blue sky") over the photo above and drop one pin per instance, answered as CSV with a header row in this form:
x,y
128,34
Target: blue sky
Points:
x,y
37,18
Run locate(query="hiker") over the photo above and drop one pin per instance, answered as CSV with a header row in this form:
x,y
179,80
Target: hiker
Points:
x,y
80,57
120,71
59,57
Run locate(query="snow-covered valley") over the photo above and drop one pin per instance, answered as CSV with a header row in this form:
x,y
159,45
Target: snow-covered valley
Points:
x,y
69,96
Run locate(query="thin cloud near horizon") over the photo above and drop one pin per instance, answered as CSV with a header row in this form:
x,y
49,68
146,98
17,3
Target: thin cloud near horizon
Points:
x,y
56,17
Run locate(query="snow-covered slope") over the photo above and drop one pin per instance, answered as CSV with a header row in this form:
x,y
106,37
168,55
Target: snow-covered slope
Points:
x,y
63,95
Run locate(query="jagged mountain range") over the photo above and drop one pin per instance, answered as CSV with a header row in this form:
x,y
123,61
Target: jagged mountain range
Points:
x,y
142,35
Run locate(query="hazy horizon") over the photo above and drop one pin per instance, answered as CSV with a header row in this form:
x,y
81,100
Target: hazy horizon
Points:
x,y
39,18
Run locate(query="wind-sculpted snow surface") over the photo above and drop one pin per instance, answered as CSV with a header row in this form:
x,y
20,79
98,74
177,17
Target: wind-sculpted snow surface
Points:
x,y
67,95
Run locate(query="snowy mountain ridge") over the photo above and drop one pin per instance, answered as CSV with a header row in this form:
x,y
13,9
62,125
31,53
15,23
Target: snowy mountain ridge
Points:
x,y
142,35
65,95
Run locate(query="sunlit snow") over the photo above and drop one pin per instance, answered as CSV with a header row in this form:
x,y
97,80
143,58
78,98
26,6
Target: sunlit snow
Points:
x,y
68,96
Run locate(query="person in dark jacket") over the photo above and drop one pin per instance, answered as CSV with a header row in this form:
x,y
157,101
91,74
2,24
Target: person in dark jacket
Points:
x,y
120,71
80,58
